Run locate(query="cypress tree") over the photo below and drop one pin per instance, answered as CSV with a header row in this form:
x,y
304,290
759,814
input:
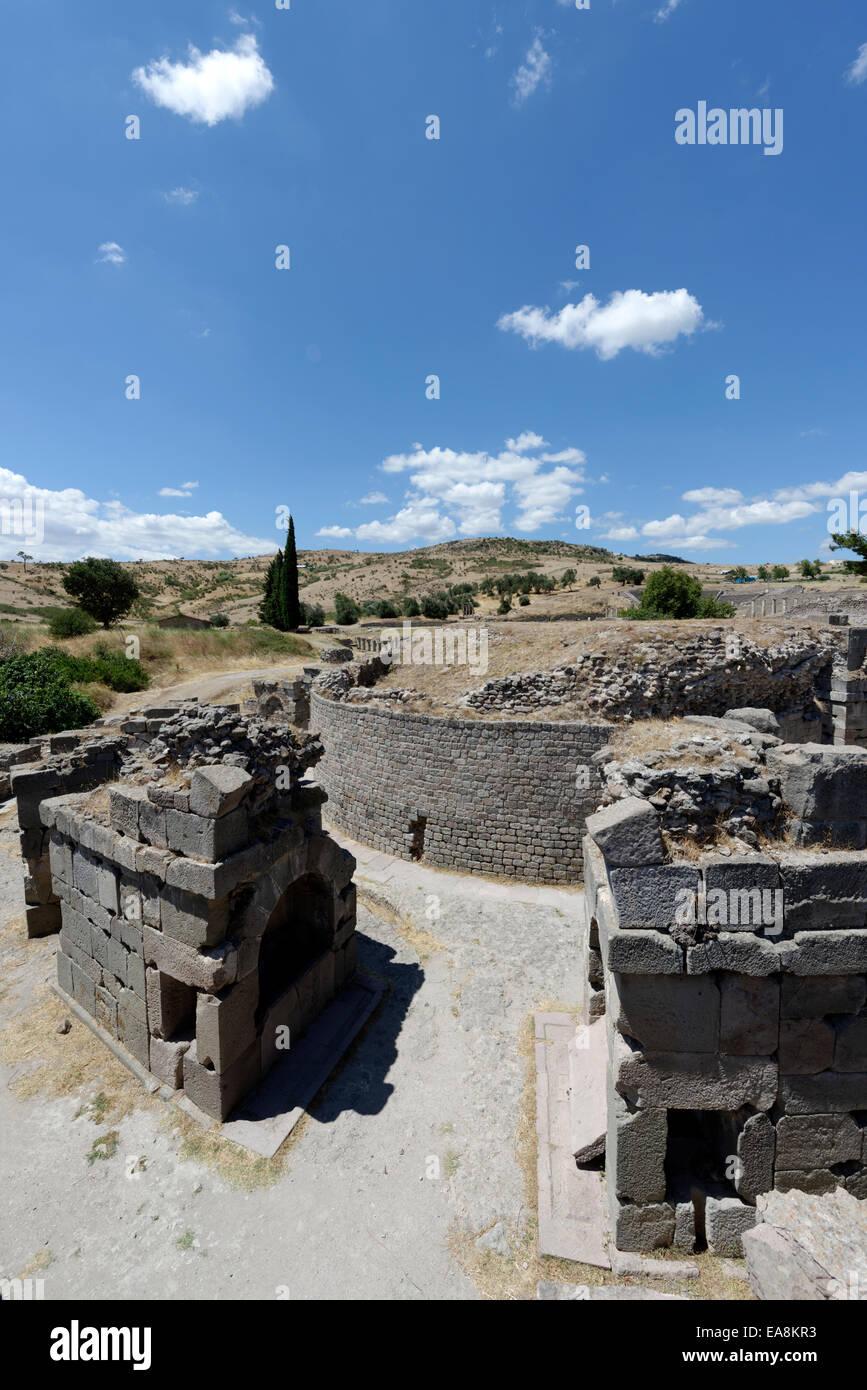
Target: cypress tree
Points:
x,y
270,609
289,578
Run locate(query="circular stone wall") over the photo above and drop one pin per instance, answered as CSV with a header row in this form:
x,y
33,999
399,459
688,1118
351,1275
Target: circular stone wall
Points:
x,y
504,798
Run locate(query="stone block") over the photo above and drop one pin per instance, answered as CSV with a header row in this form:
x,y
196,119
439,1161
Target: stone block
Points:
x,y
684,1227
106,1010
641,1228
152,824
171,1005
850,1053
83,990
806,1046
627,833
210,970
107,894
655,895
749,1015
817,1141
815,997
167,1060
829,953
814,1180
763,720
218,790
64,973
742,953
755,1148
124,803
199,837
132,1025
819,781
667,1013
217,1092
825,891
635,952
225,1023
824,1094
635,1151
195,921
696,1081
727,1219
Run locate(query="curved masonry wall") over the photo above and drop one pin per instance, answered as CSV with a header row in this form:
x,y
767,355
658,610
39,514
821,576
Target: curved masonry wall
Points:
x,y
500,798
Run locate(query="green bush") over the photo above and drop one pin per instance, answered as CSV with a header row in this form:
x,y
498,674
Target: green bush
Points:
x,y
36,698
346,609
312,614
524,601
107,665
219,620
71,622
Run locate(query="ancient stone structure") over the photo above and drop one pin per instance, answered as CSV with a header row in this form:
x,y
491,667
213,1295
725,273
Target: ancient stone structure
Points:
x,y
207,918
844,706
734,988
504,798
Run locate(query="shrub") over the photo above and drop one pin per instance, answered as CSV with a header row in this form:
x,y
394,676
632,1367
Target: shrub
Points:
x,y
71,622
312,614
411,608
219,620
36,698
435,606
346,610
505,606
524,601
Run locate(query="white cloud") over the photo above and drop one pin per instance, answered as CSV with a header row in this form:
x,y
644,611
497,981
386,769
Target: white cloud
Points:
x,y
111,253
372,498
620,533
211,86
453,492
665,11
185,490
701,543
535,68
713,494
857,72
809,492
181,196
338,532
76,525
631,318
527,440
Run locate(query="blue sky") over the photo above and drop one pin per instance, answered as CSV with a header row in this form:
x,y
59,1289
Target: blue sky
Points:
x,y
560,387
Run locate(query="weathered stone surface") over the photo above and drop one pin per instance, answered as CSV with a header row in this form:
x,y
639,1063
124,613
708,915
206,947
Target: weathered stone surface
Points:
x,y
225,1023
850,1053
762,719
814,1180
808,1247
202,837
588,1064
726,1221
627,1265
652,896
830,952
743,953
635,1150
756,1146
827,1093
806,1046
666,1013
749,1015
817,1141
627,833
217,1092
696,1081
167,1060
808,997
827,891
641,1228
635,952
820,782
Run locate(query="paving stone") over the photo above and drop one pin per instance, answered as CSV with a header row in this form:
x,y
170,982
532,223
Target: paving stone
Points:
x,y
626,1264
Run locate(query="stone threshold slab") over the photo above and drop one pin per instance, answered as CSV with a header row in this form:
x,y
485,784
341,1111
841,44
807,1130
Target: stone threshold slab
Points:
x,y
267,1115
573,1223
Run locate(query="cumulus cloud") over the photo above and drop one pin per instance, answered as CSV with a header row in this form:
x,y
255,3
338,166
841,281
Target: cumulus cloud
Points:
x,y
182,197
74,525
111,253
337,532
621,533
630,319
535,68
372,498
857,71
453,492
209,87
713,494
527,440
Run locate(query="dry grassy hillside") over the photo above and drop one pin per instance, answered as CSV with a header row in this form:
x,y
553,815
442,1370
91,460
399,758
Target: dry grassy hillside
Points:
x,y
233,587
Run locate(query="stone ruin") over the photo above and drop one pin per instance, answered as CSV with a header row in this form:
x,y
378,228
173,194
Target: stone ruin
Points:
x,y
729,991
202,909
